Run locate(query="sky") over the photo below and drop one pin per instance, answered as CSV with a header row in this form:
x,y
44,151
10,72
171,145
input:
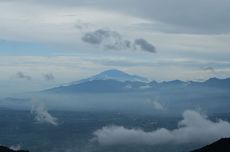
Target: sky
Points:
x,y
45,43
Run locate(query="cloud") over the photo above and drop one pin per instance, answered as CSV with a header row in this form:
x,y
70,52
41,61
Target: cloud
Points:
x,y
41,114
21,75
203,16
193,128
109,39
209,69
81,25
15,147
113,40
145,45
49,76
155,104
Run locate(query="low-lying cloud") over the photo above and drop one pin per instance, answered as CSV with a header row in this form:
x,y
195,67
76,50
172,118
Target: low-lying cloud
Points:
x,y
112,40
15,147
193,128
155,104
41,114
21,75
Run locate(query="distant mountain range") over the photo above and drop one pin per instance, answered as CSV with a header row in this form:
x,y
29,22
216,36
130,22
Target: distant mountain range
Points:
x,y
118,81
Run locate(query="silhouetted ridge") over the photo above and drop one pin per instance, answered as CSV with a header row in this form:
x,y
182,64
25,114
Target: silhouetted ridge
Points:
x,y
6,149
222,145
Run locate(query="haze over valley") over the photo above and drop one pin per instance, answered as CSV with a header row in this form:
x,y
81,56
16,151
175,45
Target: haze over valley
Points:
x,y
114,75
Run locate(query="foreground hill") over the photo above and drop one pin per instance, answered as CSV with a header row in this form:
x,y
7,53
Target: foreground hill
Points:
x,y
5,149
222,145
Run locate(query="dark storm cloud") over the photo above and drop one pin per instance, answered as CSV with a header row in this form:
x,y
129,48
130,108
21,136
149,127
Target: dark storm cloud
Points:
x,y
21,75
113,40
49,76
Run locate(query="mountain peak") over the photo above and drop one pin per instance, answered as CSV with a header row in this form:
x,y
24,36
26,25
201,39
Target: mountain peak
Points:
x,y
118,75
113,74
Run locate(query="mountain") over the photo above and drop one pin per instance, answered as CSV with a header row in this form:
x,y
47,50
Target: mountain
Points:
x,y
118,81
218,83
222,145
107,81
98,86
113,74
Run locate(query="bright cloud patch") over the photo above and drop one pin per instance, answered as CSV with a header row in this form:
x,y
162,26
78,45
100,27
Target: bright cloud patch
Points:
x,y
41,114
193,128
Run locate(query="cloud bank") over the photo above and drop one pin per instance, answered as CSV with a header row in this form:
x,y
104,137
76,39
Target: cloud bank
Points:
x,y
203,16
193,128
41,114
112,40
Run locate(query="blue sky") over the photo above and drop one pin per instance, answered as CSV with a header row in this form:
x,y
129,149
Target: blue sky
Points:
x,y
73,39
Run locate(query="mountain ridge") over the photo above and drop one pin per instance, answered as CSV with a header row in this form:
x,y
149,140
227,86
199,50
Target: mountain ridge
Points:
x,y
118,81
222,145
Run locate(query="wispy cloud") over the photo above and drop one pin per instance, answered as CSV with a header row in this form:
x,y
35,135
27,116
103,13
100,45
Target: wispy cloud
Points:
x,y
208,69
21,75
113,40
49,76
145,45
193,128
155,104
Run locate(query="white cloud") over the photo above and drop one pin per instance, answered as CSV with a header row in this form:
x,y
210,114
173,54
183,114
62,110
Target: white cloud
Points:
x,y
155,104
41,114
15,147
193,128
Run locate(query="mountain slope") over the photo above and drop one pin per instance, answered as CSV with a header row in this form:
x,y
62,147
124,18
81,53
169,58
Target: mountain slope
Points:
x,y
113,74
97,86
222,145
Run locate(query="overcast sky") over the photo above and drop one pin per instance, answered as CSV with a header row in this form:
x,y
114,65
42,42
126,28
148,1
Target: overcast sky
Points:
x,y
50,42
